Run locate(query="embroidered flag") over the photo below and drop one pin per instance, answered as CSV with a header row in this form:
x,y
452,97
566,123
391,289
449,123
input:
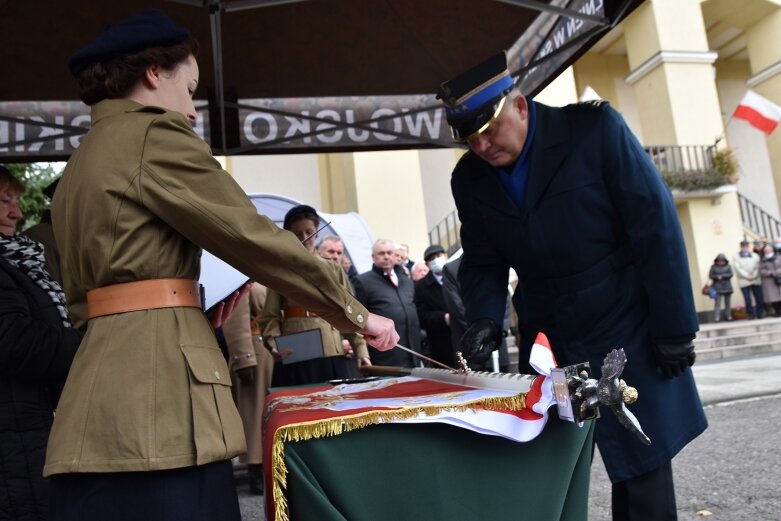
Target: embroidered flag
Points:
x,y
760,112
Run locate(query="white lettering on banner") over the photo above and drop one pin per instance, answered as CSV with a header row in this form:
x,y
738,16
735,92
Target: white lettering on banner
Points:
x,y
357,135
302,126
46,132
396,124
565,30
75,141
19,136
249,128
337,134
423,118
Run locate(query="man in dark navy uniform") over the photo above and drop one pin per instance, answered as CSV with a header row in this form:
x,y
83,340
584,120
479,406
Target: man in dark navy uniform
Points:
x,y
535,174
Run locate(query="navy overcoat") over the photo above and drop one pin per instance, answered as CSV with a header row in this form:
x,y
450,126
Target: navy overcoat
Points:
x,y
601,263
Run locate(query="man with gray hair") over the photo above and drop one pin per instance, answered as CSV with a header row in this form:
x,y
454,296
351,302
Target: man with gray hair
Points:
x,y
385,289
535,174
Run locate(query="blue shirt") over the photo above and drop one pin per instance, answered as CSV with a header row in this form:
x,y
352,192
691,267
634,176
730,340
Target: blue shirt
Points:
x,y
515,180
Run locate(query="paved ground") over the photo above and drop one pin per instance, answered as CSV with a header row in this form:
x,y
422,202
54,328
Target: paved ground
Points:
x,y
730,473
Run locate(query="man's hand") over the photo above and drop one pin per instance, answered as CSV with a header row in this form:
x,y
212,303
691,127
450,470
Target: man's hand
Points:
x,y
674,358
246,375
380,332
481,338
347,348
364,361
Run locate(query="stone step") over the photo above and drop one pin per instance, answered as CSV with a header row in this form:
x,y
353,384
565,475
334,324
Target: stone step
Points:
x,y
738,327
737,351
746,337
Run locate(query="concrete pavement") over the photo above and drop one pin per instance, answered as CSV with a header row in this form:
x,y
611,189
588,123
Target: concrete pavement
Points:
x,y
737,378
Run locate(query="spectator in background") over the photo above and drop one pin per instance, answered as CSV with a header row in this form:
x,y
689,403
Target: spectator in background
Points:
x,y
759,247
283,316
721,273
419,270
777,244
746,264
251,366
37,346
332,248
402,250
385,289
432,313
451,292
400,258
770,272
44,233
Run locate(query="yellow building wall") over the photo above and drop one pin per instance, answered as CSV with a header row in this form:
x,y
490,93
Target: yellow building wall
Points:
x,y
390,197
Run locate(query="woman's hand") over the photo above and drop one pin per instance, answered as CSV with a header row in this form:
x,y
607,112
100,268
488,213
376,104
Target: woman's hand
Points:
x,y
380,332
226,307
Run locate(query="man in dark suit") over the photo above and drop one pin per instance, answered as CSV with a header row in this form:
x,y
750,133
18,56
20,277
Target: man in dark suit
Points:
x,y
434,317
388,289
535,174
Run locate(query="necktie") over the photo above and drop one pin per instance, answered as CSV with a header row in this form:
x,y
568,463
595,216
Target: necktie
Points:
x,y
390,278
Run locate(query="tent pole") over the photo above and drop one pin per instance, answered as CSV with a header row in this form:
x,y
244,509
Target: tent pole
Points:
x,y
219,87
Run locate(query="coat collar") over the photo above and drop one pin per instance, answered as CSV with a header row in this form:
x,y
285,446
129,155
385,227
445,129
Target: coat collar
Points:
x,y
112,107
547,154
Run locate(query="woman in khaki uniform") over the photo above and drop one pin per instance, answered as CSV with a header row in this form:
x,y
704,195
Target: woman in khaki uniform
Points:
x,y
283,315
146,425
251,367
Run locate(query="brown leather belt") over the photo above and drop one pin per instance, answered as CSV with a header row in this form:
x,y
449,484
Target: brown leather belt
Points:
x,y
143,294
297,312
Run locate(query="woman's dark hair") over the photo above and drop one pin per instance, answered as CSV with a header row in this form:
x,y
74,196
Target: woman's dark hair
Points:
x,y
113,78
299,212
9,182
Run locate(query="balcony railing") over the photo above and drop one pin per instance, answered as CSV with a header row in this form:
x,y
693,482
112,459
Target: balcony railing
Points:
x,y
446,233
679,159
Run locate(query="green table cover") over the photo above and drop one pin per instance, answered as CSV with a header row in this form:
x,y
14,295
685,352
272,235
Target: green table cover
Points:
x,y
437,472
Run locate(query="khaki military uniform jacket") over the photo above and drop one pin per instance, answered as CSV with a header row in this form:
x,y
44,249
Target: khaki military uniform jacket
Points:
x,y
275,323
246,349
150,390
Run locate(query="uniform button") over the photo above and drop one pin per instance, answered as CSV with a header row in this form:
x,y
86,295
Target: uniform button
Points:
x,y
359,318
217,375
349,309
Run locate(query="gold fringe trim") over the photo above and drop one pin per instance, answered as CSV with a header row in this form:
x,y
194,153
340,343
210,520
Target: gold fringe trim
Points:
x,y
336,426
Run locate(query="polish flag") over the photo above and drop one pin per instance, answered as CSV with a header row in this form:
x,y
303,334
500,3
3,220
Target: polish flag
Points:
x,y
760,112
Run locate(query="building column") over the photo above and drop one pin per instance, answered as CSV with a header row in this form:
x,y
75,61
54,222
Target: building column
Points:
x,y
764,54
672,73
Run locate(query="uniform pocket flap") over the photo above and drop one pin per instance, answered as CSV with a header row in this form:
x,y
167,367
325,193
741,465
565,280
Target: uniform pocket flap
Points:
x,y
207,364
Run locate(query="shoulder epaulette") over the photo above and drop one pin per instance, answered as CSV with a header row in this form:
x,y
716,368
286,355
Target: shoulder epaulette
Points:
x,y
598,104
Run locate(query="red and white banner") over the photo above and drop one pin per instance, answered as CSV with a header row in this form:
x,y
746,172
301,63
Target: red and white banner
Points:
x,y
760,112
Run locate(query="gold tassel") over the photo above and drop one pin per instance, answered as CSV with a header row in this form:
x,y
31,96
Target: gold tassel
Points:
x,y
337,426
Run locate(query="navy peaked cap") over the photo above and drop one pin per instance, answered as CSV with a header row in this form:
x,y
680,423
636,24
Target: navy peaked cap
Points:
x,y
473,99
139,31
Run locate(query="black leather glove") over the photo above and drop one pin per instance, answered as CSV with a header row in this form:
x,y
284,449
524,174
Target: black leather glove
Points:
x,y
481,338
674,357
246,375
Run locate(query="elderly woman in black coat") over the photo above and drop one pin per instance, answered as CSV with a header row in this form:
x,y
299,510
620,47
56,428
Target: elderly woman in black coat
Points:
x,y
720,274
37,345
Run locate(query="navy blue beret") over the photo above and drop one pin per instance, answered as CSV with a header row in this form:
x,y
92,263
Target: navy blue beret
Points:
x,y
142,30
474,98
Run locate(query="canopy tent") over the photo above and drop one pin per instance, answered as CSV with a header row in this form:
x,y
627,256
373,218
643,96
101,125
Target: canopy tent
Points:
x,y
296,75
219,279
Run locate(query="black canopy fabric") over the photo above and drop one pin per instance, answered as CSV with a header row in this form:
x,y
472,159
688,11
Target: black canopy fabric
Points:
x,y
295,75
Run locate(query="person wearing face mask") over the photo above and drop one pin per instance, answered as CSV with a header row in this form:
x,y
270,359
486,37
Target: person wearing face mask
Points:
x,y
770,272
430,303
